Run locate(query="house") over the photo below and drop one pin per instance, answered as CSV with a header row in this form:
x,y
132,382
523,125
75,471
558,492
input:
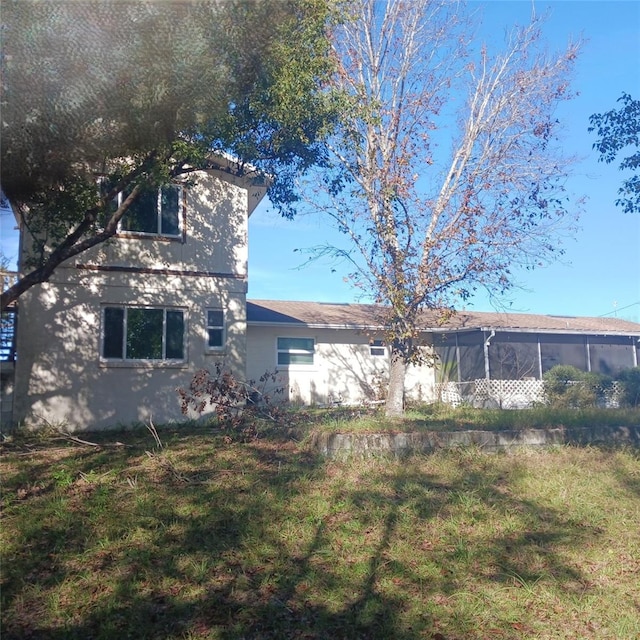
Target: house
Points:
x,y
328,353
113,333
119,328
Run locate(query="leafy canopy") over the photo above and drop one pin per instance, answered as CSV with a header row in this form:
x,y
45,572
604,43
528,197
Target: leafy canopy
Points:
x,y
619,130
141,92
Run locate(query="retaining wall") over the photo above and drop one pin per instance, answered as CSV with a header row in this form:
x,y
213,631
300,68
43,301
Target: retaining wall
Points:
x,y
341,445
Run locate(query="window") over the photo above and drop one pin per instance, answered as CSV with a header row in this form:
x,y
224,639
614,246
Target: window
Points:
x,y
215,328
154,212
292,351
377,348
133,333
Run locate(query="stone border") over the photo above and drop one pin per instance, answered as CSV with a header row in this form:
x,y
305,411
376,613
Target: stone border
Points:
x,y
342,445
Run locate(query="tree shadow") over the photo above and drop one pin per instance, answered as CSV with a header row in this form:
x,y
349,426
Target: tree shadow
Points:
x,y
217,560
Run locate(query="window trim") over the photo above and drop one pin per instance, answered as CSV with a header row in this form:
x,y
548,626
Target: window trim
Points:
x,y
181,235
297,365
377,348
154,362
223,327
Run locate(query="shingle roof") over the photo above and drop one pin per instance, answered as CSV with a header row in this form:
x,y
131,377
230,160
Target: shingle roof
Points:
x,y
358,316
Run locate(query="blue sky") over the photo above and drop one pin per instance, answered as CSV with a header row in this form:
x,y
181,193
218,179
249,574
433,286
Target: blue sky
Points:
x,y
600,271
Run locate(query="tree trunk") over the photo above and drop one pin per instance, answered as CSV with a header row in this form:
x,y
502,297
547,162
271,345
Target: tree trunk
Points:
x,y
395,393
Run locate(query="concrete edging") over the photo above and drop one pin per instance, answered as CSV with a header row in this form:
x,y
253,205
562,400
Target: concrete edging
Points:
x,y
340,445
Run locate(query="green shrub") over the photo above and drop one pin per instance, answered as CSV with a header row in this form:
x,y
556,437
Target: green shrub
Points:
x,y
569,387
630,381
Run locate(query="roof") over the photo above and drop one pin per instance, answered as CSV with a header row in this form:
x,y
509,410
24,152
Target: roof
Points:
x,y
369,316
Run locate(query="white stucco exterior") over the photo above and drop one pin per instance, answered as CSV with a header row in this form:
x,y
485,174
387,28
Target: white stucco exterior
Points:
x,y
343,369
62,377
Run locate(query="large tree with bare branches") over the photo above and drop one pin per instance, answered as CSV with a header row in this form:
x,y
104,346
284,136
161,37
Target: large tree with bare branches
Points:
x,y
142,92
446,173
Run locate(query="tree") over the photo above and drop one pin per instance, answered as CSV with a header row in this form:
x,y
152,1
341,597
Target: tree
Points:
x,y
617,130
445,173
140,93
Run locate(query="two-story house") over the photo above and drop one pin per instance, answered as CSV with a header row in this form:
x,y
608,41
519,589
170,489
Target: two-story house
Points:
x,y
118,328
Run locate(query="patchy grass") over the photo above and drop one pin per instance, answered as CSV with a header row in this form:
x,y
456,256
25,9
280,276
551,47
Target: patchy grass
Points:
x,y
207,539
442,417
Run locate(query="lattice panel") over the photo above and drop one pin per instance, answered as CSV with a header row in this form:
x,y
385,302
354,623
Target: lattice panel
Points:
x,y
507,394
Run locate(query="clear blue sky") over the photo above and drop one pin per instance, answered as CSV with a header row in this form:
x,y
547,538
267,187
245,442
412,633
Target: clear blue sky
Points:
x,y
600,271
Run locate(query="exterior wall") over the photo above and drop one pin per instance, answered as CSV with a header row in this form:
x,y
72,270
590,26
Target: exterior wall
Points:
x,y
343,369
60,375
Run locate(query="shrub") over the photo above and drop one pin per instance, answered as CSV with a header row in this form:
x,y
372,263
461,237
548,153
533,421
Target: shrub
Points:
x,y
236,404
630,382
569,387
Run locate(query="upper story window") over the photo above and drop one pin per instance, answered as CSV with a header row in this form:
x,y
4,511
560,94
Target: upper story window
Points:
x,y
295,351
141,333
154,212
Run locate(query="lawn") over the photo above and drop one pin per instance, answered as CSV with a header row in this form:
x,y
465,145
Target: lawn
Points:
x,y
211,538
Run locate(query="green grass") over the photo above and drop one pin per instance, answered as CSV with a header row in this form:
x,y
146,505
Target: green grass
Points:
x,y
212,539
441,417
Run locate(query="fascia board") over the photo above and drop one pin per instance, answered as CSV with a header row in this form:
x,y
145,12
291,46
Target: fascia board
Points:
x,y
314,325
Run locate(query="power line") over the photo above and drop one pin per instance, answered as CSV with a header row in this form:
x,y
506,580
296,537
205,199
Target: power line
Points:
x,y
633,304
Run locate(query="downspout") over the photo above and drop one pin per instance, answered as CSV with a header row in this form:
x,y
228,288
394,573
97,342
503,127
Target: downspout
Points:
x,y
586,342
634,351
487,372
539,358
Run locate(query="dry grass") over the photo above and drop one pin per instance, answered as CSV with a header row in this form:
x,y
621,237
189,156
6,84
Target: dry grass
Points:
x,y
207,539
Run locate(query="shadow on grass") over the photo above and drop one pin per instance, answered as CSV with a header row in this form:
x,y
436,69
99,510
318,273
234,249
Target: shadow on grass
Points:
x,y
265,540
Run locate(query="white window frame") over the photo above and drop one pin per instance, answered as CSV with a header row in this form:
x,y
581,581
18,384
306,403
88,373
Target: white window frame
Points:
x,y
150,234
297,365
222,327
163,361
377,348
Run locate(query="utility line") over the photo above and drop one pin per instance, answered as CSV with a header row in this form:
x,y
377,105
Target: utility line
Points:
x,y
633,304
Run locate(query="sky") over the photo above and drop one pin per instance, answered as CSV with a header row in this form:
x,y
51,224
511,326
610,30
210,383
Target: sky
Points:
x,y
599,274
600,271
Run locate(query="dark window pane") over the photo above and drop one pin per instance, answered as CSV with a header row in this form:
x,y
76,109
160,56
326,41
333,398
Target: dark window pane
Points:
x,y
377,348
297,344
144,334
142,215
285,358
113,332
111,207
215,318
170,210
175,335
215,337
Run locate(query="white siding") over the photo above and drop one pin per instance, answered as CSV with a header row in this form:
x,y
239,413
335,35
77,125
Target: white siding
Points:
x,y
343,367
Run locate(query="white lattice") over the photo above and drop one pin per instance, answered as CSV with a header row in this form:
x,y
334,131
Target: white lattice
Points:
x,y
507,394
448,393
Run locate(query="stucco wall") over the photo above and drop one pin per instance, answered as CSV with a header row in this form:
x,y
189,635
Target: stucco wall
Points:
x,y
60,375
343,367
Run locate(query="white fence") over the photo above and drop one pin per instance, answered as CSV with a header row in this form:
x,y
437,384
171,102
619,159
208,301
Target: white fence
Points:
x,y
506,394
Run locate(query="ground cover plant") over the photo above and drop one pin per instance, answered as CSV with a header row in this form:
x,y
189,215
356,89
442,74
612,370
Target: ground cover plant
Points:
x,y
189,535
